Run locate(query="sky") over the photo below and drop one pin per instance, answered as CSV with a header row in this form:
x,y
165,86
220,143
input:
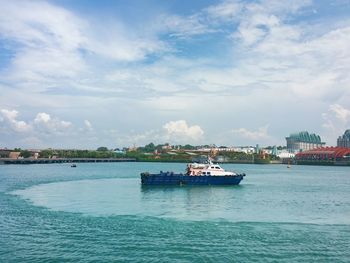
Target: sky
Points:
x,y
118,73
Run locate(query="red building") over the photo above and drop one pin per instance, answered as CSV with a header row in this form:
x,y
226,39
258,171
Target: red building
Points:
x,y
326,155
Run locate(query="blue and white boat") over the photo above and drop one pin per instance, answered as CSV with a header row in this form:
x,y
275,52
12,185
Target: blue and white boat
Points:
x,y
196,174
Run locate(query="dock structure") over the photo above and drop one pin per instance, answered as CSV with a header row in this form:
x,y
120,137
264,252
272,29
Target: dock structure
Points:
x,y
63,160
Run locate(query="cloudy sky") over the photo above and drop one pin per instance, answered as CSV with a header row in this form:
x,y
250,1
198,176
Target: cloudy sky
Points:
x,y
82,74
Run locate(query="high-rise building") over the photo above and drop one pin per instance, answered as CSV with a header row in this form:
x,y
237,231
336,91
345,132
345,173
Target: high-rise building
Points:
x,y
344,141
274,150
302,141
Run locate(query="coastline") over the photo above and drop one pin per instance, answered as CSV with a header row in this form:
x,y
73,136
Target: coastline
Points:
x,y
5,161
8,161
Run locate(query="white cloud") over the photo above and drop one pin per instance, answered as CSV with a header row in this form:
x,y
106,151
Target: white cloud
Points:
x,y
10,116
42,117
202,22
118,44
180,130
227,10
42,124
258,22
38,23
56,28
274,54
341,113
54,48
47,125
335,121
181,26
47,39
297,58
261,133
173,132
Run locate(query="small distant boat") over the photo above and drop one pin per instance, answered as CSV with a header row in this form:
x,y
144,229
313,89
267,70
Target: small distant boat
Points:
x,y
73,165
196,174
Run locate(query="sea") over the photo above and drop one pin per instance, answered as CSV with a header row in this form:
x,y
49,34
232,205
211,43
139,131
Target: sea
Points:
x,y
99,212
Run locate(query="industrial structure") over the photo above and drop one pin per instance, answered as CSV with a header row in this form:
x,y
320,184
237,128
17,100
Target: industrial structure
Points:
x,y
325,155
303,141
344,141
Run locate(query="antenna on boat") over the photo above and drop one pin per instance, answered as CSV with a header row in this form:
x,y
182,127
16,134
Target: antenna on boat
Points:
x,y
212,153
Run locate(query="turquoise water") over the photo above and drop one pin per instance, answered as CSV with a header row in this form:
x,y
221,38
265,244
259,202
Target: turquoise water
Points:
x,y
100,212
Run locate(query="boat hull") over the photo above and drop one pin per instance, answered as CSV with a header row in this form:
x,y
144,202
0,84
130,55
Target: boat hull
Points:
x,y
169,178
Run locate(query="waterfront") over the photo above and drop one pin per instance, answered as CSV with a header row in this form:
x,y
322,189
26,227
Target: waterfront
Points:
x,y
99,212
64,160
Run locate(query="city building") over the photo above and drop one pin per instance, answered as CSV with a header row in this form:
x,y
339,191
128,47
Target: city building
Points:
x,y
325,155
167,147
284,154
303,141
14,155
344,141
274,150
244,149
257,148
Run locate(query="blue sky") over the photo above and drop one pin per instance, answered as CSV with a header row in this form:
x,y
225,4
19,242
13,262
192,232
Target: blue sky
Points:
x,y
81,74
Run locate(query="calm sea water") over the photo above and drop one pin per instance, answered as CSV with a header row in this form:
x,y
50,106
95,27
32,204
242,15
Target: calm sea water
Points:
x,y
100,212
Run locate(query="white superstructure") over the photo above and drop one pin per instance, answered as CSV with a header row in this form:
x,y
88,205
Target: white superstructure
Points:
x,y
209,169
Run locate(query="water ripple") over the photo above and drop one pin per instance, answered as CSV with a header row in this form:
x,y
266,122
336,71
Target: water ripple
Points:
x,y
107,197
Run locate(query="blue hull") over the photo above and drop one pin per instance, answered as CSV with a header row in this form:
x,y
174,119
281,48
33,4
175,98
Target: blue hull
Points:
x,y
183,179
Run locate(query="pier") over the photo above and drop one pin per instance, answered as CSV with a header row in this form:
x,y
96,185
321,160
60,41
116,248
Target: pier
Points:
x,y
64,160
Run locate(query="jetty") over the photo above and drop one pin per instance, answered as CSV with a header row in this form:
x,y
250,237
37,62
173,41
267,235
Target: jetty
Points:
x,y
64,160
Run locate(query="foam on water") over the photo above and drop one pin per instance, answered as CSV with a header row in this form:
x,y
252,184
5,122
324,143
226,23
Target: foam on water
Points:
x,y
244,203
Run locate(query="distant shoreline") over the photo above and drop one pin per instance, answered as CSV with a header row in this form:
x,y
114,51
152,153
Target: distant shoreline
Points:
x,y
64,160
8,161
5,161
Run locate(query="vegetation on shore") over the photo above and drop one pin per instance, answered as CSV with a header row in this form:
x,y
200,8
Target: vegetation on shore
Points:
x,y
158,153
50,153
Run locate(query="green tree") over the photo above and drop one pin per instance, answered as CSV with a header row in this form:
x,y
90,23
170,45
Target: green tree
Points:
x,y
149,147
188,147
47,153
26,154
102,149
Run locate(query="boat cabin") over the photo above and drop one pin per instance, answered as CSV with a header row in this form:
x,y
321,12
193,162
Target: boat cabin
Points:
x,y
210,169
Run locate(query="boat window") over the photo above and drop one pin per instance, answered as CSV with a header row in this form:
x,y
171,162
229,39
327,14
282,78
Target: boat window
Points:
x,y
212,167
208,173
217,167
